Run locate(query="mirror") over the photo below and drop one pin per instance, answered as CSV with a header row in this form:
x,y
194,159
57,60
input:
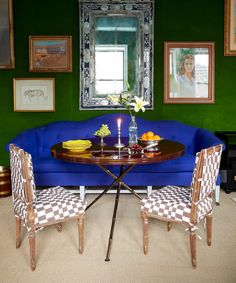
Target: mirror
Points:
x,y
116,47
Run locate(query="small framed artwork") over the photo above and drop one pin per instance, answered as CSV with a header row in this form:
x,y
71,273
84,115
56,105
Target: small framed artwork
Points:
x,y
189,72
230,28
50,54
34,94
7,58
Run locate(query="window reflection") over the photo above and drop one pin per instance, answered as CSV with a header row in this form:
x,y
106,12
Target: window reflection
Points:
x,y
116,45
110,69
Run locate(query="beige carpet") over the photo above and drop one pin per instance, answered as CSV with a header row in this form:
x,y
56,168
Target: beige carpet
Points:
x,y
168,260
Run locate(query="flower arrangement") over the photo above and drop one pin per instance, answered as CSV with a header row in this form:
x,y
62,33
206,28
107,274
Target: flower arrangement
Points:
x,y
131,103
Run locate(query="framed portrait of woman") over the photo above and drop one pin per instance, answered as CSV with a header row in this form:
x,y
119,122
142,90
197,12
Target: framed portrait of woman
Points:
x,y
189,72
7,59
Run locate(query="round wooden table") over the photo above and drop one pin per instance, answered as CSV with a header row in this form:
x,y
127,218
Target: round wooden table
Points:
x,y
109,155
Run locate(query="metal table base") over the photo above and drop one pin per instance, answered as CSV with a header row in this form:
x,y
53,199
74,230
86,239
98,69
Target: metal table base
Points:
x,y
117,181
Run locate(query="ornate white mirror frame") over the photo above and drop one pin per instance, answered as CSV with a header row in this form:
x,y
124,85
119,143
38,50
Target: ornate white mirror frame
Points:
x,y
116,47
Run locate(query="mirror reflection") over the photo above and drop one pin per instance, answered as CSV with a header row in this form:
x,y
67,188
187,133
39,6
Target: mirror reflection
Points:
x,y
116,48
116,44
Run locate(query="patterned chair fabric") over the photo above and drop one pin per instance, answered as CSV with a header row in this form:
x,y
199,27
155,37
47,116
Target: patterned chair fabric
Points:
x,y
175,202
186,205
51,205
39,208
16,173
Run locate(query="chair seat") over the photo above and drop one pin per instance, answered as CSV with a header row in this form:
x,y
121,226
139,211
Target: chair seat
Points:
x,y
174,203
55,204
52,205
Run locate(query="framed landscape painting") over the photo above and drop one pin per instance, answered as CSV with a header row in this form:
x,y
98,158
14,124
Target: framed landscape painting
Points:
x,y
34,94
50,53
230,28
189,72
7,58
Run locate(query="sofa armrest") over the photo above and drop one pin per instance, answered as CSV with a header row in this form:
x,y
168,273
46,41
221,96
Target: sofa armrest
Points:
x,y
205,139
26,140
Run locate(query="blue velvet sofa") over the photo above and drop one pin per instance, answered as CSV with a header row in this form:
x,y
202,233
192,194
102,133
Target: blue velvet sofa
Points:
x,y
50,172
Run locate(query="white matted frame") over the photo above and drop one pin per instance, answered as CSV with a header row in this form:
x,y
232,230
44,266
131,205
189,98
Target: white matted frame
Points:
x,y
34,94
230,28
189,72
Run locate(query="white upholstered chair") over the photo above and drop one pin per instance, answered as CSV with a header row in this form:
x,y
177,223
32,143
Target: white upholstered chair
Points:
x,y
186,205
40,208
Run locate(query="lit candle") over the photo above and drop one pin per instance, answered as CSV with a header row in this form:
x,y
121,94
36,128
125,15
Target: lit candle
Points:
x,y
119,144
118,123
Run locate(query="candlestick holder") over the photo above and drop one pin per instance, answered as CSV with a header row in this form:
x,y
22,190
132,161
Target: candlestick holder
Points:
x,y
119,144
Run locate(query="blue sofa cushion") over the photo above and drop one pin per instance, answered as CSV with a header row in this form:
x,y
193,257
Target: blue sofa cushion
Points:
x,y
50,171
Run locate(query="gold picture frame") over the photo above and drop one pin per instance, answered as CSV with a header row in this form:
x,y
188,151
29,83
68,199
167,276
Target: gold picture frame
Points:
x,y
189,72
34,94
50,53
7,57
229,28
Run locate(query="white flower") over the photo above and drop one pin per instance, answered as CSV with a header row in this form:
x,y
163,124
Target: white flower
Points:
x,y
139,104
113,98
130,102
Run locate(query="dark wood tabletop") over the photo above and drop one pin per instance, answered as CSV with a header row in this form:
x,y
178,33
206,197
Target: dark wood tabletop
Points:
x,y
109,155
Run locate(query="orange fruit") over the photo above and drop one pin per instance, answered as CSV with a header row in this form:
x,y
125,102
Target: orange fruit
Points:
x,y
156,137
150,154
144,137
150,135
150,138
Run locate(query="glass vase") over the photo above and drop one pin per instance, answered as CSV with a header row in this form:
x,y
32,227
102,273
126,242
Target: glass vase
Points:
x,y
133,131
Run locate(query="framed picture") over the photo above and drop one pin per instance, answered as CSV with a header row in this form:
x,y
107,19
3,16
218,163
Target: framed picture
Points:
x,y
34,94
189,72
50,53
7,58
230,28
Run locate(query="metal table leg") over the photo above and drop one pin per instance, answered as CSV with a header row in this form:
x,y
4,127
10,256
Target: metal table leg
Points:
x,y
114,217
117,180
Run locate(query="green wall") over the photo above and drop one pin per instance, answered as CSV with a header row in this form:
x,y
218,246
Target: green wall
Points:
x,y
184,20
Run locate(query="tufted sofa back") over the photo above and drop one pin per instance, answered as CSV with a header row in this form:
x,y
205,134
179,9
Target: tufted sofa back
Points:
x,y
38,140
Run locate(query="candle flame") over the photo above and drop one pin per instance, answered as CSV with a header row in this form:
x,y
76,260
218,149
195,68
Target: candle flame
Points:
x,y
118,122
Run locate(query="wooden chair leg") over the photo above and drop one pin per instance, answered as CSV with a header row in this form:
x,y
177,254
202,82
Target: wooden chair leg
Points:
x,y
145,231
209,229
18,232
59,227
32,249
169,226
81,233
193,247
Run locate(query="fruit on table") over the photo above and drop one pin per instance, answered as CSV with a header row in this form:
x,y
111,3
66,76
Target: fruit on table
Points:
x,y
136,147
150,136
103,131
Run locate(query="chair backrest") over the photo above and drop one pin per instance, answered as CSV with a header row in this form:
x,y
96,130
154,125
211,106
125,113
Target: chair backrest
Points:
x,y
22,179
207,164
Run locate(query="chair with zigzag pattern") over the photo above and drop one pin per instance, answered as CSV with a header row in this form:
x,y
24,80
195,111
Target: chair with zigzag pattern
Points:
x,y
40,208
186,205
